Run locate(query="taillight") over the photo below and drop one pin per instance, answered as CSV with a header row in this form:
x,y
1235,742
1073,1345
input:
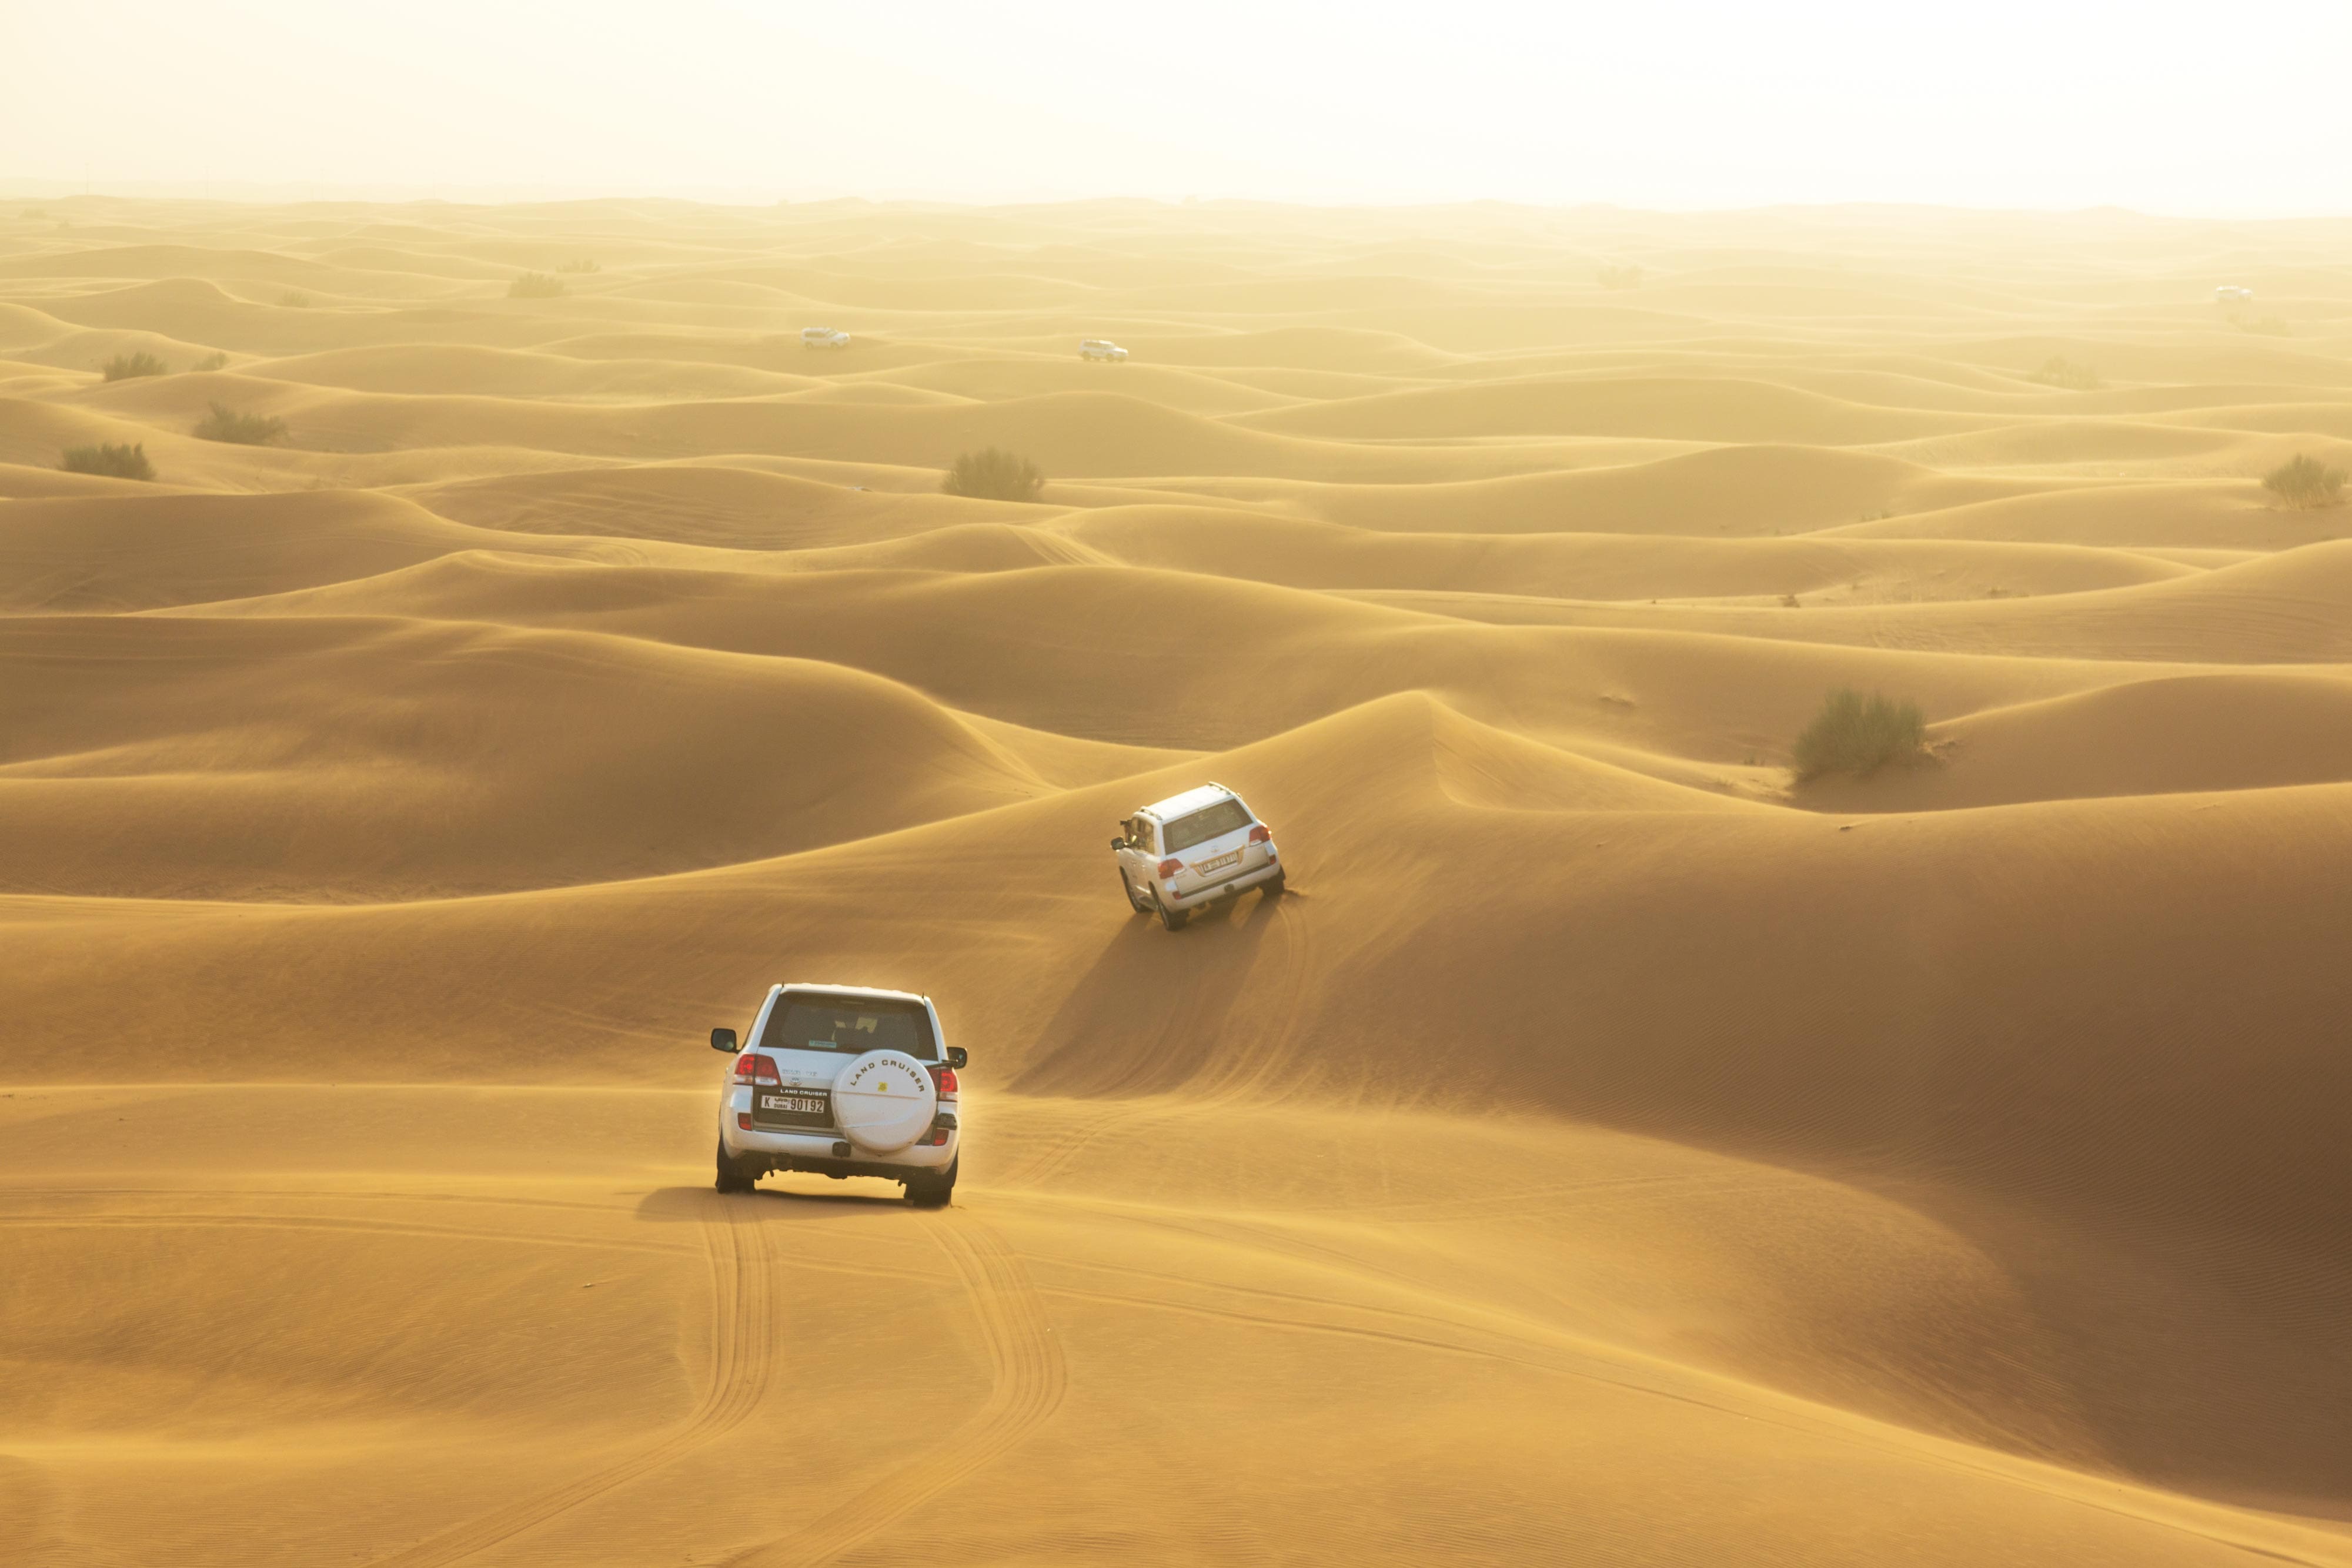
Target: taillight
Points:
x,y
1169,867
752,1068
945,1078
1260,835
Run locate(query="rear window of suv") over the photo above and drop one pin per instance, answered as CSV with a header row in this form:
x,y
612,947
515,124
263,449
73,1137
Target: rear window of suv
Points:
x,y
1205,824
850,1025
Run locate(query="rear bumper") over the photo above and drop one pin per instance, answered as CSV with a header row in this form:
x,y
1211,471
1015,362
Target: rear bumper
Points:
x,y
1242,884
813,1150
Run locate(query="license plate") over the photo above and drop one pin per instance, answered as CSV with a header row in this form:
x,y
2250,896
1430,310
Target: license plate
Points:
x,y
1204,867
800,1107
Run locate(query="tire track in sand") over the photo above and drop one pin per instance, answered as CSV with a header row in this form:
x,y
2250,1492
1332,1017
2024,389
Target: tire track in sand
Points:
x,y
1029,1381
1232,1085
743,1358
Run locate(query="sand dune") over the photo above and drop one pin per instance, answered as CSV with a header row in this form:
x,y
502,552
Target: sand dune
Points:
x,y
2186,733
1274,549
1724,410
1614,1150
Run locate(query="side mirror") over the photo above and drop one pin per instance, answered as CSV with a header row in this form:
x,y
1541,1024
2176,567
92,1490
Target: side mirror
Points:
x,y
1118,843
958,1057
722,1039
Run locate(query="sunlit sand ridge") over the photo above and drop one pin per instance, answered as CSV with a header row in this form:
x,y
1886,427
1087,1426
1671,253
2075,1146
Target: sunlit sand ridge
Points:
x,y
1612,1151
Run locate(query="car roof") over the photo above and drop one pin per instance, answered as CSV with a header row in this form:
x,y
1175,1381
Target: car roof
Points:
x,y
869,992
1191,800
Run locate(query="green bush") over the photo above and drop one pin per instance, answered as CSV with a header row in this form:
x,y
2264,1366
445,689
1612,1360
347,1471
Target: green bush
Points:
x,y
1858,734
123,367
2304,481
295,300
215,360
535,286
116,462
994,475
2058,371
226,423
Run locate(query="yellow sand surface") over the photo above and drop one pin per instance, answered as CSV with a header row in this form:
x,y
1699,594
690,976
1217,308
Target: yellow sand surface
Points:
x,y
1610,1150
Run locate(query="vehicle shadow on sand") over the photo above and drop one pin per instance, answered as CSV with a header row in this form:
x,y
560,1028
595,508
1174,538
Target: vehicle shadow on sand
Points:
x,y
692,1205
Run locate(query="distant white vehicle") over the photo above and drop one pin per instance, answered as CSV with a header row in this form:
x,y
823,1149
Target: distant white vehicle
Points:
x,y
1194,848
1100,349
2231,294
823,337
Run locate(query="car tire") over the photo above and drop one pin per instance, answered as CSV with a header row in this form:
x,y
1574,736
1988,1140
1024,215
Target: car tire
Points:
x,y
1133,902
731,1177
1274,889
1174,919
927,1191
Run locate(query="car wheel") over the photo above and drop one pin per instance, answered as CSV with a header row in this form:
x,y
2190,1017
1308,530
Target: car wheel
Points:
x,y
1174,919
731,1177
1133,902
933,1191
1274,889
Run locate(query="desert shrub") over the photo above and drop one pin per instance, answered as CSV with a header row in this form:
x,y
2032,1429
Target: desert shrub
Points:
x,y
1620,277
579,263
994,475
2058,371
295,300
115,461
215,360
123,367
226,423
1857,734
2304,480
535,286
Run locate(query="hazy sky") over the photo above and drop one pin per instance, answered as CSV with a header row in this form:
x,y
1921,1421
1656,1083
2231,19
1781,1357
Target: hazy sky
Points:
x,y
2204,109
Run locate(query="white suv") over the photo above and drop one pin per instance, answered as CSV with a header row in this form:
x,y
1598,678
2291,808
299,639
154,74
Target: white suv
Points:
x,y
1100,349
1194,848
823,337
841,1081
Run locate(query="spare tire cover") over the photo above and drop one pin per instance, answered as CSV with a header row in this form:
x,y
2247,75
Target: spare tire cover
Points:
x,y
883,1101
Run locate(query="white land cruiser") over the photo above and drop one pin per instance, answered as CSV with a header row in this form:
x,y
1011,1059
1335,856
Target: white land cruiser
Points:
x,y
2232,293
823,337
1100,349
842,1081
1194,848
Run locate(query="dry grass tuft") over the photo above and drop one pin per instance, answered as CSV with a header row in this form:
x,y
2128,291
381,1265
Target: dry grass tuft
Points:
x,y
1859,735
110,459
994,475
125,366
2304,481
226,423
